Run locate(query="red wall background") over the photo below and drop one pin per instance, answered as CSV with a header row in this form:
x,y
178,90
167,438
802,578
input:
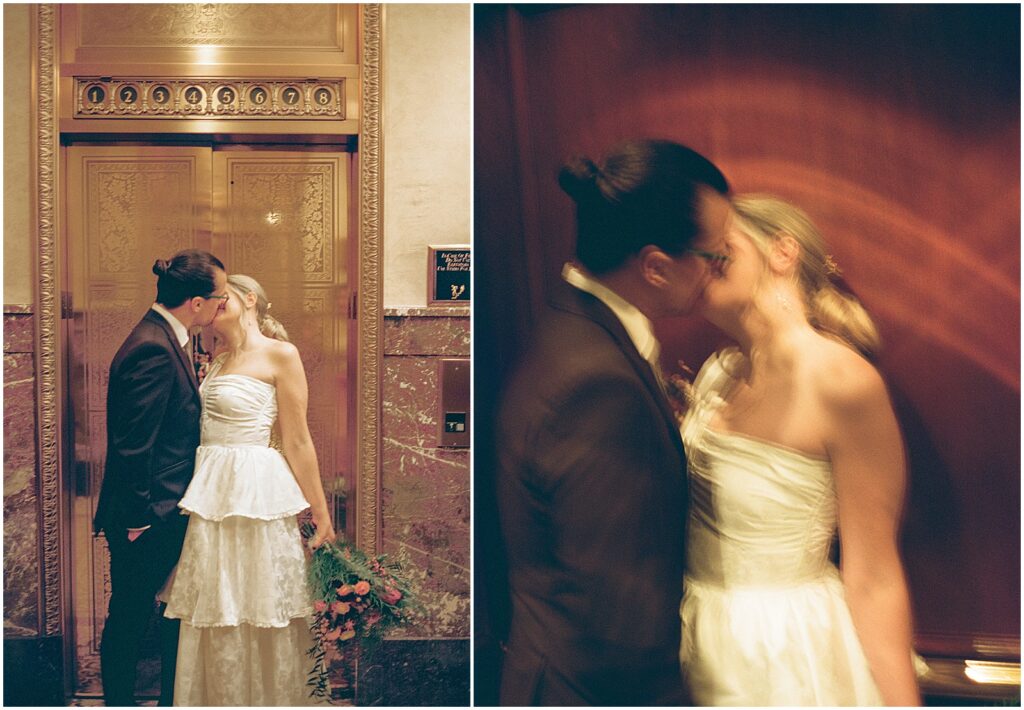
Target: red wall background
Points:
x,y
897,128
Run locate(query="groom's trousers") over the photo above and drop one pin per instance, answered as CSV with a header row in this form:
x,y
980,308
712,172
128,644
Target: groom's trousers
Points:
x,y
137,572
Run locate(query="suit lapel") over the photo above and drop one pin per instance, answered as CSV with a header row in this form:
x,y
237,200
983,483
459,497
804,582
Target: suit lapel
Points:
x,y
573,300
190,372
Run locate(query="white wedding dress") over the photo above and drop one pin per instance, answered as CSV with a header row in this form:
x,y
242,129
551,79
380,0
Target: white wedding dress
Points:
x,y
240,586
764,618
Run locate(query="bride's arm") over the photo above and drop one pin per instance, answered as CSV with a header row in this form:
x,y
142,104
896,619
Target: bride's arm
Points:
x,y
870,473
292,400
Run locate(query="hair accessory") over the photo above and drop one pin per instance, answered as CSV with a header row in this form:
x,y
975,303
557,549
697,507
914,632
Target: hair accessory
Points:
x,y
831,267
269,304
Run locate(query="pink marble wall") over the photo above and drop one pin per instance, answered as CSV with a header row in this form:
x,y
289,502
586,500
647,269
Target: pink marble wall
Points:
x,y
21,502
425,489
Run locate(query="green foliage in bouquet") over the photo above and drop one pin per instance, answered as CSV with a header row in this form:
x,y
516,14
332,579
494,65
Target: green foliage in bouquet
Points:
x,y
355,598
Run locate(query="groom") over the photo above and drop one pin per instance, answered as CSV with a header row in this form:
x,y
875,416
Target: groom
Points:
x,y
592,473
152,433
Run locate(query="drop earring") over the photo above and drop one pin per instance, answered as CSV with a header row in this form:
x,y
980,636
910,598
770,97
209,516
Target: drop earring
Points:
x,y
784,302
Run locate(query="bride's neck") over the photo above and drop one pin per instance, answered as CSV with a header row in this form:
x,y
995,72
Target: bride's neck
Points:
x,y
241,339
770,338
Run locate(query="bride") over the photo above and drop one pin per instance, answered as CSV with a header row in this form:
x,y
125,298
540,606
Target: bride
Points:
x,y
787,434
240,585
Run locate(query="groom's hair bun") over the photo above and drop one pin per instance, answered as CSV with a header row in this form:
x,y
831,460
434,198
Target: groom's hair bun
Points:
x,y
185,275
644,192
579,179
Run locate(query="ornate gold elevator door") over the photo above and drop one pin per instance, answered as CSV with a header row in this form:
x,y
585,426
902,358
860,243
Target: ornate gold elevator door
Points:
x,y
280,217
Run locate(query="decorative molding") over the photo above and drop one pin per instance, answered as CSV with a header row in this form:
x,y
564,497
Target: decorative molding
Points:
x,y
217,98
427,312
368,528
48,310
19,308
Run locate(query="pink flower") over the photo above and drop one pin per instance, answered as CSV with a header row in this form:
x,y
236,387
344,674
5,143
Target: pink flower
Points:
x,y
344,590
350,624
320,606
340,608
362,587
372,618
390,595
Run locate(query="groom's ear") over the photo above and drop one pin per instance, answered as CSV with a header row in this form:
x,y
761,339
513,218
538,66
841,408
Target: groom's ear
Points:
x,y
655,266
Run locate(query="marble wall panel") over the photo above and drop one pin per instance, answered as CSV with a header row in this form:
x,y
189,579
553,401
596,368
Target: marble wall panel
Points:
x,y
425,489
423,672
439,331
21,503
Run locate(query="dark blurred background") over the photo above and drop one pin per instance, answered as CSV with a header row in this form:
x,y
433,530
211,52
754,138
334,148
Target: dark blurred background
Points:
x,y
897,128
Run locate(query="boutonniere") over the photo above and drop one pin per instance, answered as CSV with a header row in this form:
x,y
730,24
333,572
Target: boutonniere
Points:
x,y
680,390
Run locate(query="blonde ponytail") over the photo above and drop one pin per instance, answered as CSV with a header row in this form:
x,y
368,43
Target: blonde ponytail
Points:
x,y
272,328
269,325
830,309
842,315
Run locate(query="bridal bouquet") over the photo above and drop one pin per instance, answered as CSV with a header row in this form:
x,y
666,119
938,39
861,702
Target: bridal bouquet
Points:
x,y
356,597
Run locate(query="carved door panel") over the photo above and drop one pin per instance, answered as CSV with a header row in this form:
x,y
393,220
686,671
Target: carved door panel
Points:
x,y
281,218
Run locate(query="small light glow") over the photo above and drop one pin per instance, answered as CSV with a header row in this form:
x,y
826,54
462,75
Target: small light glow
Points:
x,y
206,53
273,218
993,672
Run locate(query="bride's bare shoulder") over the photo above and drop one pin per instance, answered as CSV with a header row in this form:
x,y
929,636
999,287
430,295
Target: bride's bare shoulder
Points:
x,y
844,378
282,352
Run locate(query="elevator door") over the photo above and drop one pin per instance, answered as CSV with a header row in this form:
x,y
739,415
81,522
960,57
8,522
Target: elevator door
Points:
x,y
278,216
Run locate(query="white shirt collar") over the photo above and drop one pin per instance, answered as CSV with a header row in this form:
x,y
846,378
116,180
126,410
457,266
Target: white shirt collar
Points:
x,y
176,325
637,325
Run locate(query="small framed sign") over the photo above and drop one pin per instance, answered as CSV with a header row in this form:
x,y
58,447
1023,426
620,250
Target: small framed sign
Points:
x,y
448,275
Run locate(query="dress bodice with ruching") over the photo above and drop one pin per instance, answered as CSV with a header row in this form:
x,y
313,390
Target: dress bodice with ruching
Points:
x,y
764,616
761,514
237,472
238,410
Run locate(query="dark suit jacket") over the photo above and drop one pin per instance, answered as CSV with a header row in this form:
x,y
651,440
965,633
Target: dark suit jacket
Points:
x,y
593,504
153,412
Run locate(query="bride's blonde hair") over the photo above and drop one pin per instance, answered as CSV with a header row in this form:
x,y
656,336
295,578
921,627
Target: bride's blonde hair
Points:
x,y
829,309
268,325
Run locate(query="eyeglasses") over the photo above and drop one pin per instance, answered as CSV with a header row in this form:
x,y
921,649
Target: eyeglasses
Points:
x,y
222,299
716,260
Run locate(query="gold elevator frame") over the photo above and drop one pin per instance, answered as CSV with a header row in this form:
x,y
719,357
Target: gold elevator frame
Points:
x,y
51,343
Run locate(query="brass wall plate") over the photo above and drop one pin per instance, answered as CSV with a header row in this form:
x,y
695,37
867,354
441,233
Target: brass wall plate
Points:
x,y
454,415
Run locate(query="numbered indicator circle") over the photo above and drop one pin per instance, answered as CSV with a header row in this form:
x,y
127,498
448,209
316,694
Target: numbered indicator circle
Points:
x,y
258,95
226,95
290,96
193,95
159,95
95,95
127,95
322,96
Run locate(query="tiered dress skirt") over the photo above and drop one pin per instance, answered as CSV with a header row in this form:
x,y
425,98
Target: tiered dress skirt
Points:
x,y
240,586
